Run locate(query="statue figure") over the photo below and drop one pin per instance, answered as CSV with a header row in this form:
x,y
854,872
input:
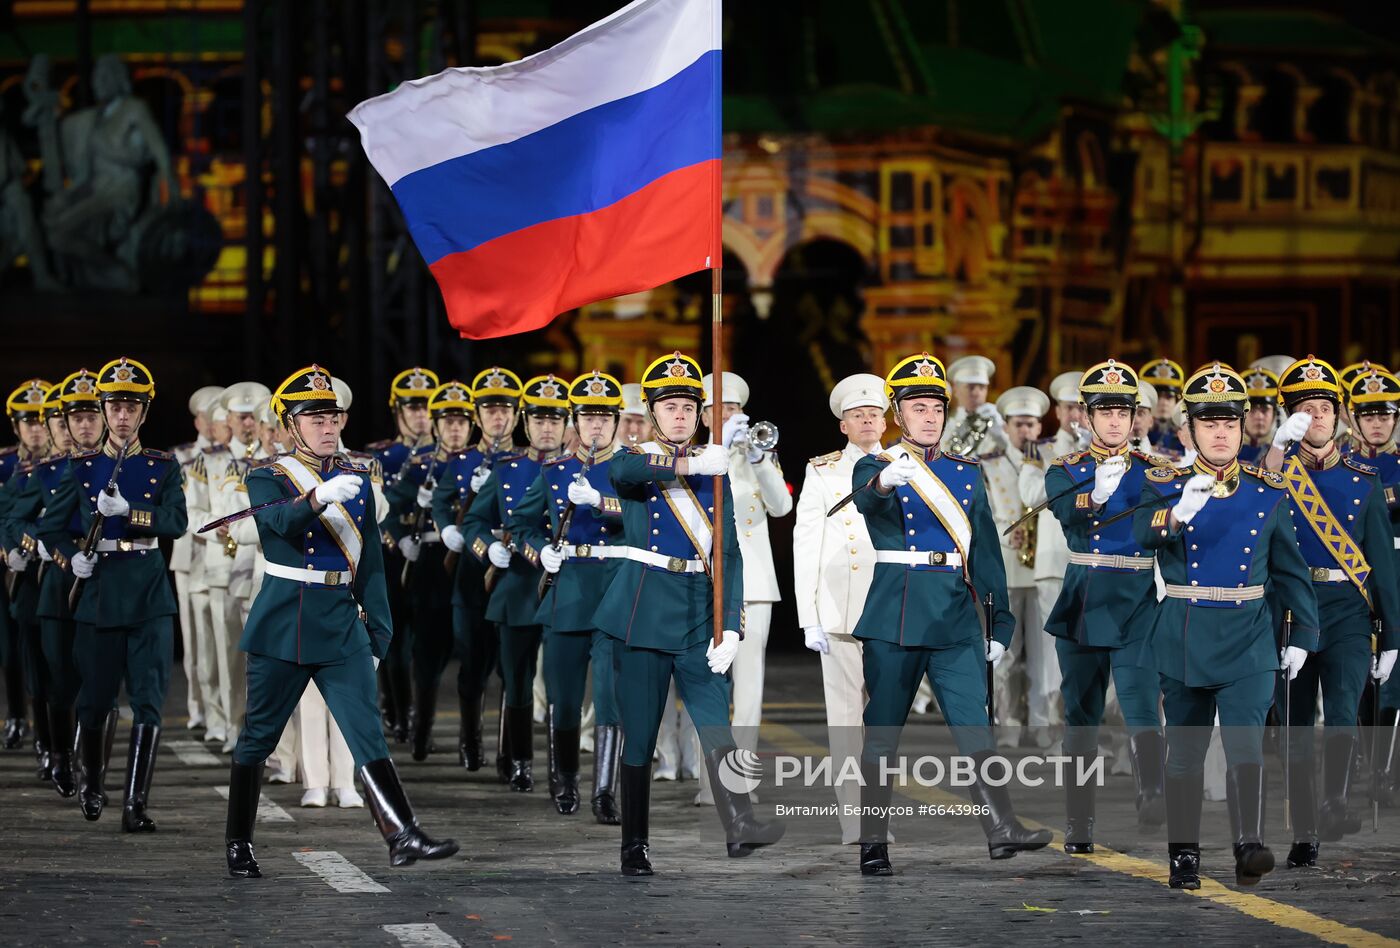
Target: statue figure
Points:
x,y
18,231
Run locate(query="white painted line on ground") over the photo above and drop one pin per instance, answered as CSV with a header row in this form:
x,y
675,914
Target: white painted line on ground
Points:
x,y
268,810
195,754
338,872
421,936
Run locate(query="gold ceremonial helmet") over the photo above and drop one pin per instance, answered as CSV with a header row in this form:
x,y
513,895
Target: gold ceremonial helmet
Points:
x,y
917,376
125,380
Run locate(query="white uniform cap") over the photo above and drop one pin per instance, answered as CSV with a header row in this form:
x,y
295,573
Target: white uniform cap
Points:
x,y
735,389
862,390
218,413
1065,387
245,396
343,395
1277,364
972,370
1147,396
1179,415
632,399
204,398
1023,400
264,414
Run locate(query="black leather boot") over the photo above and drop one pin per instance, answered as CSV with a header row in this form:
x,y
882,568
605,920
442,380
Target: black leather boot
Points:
x,y
93,747
636,814
140,767
503,768
388,708
1079,814
43,741
1149,752
1333,819
1245,792
607,751
244,787
1302,806
1005,835
394,816
875,796
551,751
565,745
743,832
425,712
1184,795
521,732
400,681
16,729
61,766
469,753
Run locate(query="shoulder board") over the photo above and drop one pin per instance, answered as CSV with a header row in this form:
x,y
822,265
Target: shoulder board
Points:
x,y
158,455
1073,458
261,462
510,457
626,449
83,456
961,459
1272,478
992,455
1165,474
1156,460
352,464
1352,462
822,459
7,451
379,445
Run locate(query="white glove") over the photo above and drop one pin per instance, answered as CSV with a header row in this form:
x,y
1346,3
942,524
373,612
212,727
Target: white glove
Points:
x,y
410,548
721,656
16,560
989,411
1083,437
113,505
712,462
1293,659
995,650
452,538
736,428
899,472
337,490
1383,665
498,554
1107,477
425,497
83,564
584,494
1292,430
752,454
815,638
1193,497
44,553
479,477
552,558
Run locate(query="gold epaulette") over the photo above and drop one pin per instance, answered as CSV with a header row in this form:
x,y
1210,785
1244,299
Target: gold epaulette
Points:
x,y
961,459
1072,458
1272,478
1156,460
1360,467
824,459
1166,474
158,454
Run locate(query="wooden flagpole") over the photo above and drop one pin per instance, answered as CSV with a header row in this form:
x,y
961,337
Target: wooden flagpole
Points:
x,y
716,432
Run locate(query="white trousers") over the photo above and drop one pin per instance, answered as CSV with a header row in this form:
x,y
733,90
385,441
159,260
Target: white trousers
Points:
x,y
843,689
206,663
1030,668
747,691
227,621
677,743
190,642
1043,700
326,762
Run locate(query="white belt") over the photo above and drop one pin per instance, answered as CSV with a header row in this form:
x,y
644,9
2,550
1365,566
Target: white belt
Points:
x,y
587,551
1321,574
672,564
1397,543
919,558
430,536
1111,562
126,546
1215,593
321,577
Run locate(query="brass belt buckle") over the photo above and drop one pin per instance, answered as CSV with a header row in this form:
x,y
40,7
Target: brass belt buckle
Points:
x,y
937,559
124,545
333,577
675,564
583,549
1321,574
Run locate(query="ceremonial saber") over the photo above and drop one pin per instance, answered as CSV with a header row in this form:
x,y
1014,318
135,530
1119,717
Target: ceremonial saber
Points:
x,y
1376,628
1287,719
1146,504
567,518
1046,503
94,534
989,607
851,496
244,514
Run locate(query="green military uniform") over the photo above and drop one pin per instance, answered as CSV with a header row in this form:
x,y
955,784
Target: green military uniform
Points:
x,y
659,606
123,615
937,557
1105,607
427,586
589,533
1213,639
321,615
514,600
1345,535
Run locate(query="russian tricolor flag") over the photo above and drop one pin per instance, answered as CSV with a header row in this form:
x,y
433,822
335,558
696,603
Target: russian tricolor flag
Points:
x,y
583,172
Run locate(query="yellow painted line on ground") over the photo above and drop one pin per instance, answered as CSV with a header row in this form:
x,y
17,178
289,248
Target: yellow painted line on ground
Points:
x,y
1256,906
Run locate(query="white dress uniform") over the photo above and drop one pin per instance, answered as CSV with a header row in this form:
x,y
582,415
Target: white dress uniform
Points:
x,y
1024,669
212,461
833,563
973,370
181,555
